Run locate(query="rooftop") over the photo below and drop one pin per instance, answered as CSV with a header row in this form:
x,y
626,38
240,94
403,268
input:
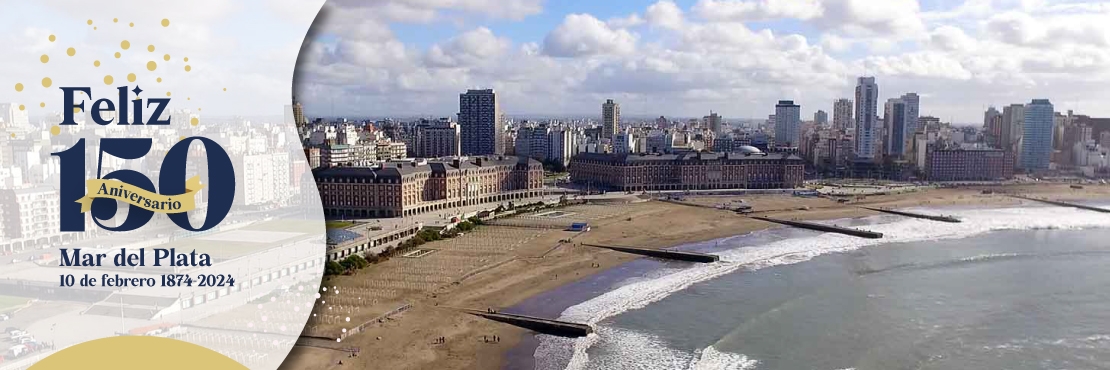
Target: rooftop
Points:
x,y
689,156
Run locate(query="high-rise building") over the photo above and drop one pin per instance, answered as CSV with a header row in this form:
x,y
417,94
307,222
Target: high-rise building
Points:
x,y
481,128
820,118
298,114
842,115
14,119
913,111
1036,139
714,122
992,126
788,127
1013,116
531,142
897,127
436,139
560,145
610,119
867,126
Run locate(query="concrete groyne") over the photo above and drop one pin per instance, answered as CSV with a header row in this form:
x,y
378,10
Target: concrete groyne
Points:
x,y
825,228
664,254
539,325
1063,204
916,215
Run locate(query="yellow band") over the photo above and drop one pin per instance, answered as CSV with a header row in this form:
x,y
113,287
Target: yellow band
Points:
x,y
136,196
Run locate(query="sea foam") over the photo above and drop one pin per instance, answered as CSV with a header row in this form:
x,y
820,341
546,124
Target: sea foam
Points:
x,y
640,351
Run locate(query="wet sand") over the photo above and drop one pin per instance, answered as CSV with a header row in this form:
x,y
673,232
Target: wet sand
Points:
x,y
525,261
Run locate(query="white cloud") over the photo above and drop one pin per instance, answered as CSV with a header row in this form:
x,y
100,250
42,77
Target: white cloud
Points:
x,y
469,48
665,14
582,35
426,10
757,10
631,20
963,56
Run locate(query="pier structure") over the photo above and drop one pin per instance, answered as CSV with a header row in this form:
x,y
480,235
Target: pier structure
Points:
x,y
1063,204
537,324
664,254
825,228
949,219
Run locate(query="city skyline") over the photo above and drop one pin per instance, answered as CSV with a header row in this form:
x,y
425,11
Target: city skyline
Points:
x,y
685,59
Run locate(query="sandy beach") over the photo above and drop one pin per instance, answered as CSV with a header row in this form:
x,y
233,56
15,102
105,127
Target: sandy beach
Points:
x,y
505,263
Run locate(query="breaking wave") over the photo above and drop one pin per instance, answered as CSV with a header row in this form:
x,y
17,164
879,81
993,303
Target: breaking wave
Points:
x,y
640,351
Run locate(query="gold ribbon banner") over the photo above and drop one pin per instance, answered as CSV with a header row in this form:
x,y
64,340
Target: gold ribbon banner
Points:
x,y
136,196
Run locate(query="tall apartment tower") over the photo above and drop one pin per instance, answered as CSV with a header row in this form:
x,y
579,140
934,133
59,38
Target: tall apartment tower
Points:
x,y
820,118
1036,139
788,126
714,122
1013,118
298,114
842,115
481,130
897,127
867,125
913,112
610,118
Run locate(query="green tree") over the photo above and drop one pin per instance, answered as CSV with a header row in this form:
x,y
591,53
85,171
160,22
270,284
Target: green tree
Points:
x,y
333,268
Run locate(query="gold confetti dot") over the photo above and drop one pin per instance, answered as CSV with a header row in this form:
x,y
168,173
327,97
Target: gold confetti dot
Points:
x,y
96,63
76,110
108,80
198,109
42,104
115,20
150,48
71,51
89,22
194,121
188,68
52,38
225,89
94,28
166,57
132,24
186,59
46,82
44,58
117,55
55,130
151,65
21,107
18,86
187,98
167,93
165,22
159,80
124,44
130,77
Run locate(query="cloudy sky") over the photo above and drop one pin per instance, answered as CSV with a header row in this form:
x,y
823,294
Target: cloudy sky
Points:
x,y
687,57
249,47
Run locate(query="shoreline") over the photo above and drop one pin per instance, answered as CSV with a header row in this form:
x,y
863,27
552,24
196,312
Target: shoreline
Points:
x,y
407,341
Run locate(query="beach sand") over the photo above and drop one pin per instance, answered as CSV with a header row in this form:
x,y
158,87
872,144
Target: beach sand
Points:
x,y
508,264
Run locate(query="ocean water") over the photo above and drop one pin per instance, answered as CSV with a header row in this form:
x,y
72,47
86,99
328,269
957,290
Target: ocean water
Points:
x,y
1009,288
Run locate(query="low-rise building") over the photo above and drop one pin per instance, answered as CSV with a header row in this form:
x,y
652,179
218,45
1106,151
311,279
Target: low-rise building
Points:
x,y
748,169
398,189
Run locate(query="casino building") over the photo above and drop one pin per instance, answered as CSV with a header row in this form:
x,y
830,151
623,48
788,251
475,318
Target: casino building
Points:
x,y
407,188
749,168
